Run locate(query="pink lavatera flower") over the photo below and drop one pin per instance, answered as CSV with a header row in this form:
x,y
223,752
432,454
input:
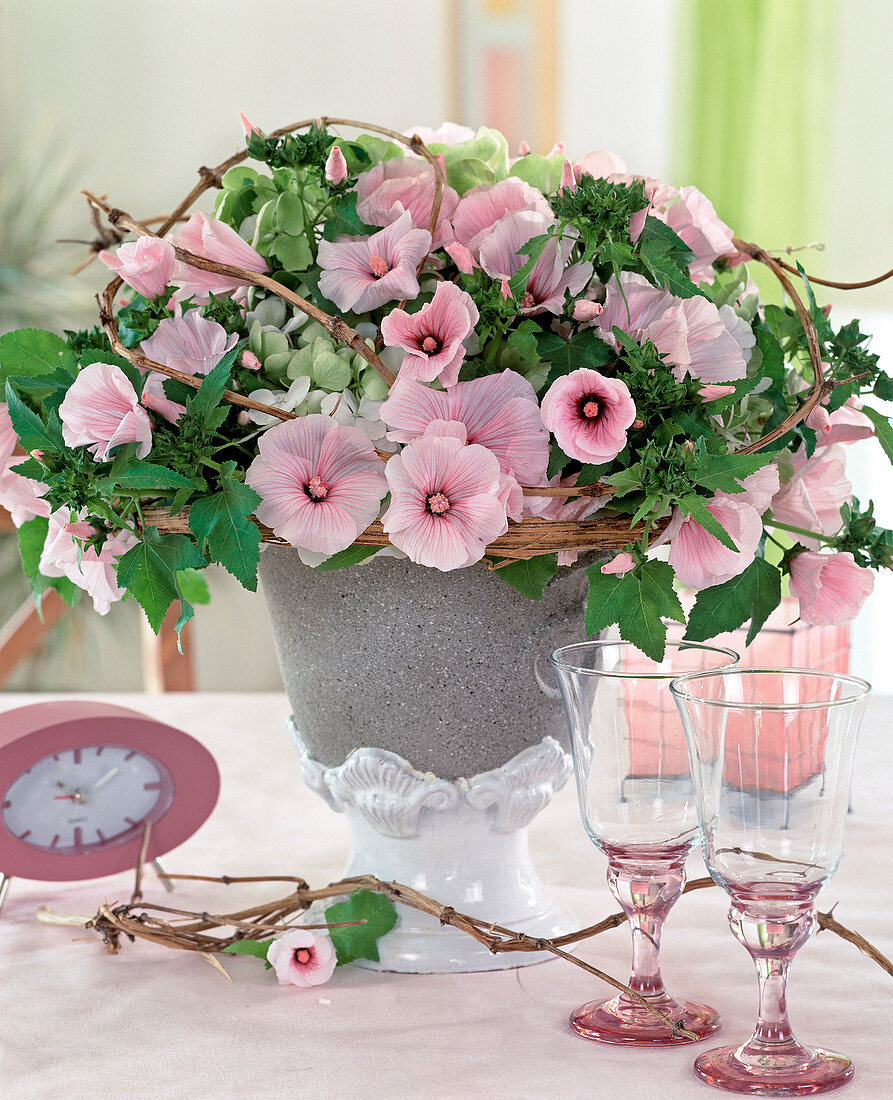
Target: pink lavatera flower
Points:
x,y
146,264
619,565
446,500
433,337
189,343
499,412
694,336
154,398
447,133
213,240
101,411
699,558
363,273
321,482
20,496
302,957
831,588
589,415
405,183
481,209
462,257
600,163
845,425
66,555
813,497
694,219
336,166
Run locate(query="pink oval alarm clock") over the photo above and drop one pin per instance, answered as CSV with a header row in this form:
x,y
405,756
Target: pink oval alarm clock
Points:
x,y
79,780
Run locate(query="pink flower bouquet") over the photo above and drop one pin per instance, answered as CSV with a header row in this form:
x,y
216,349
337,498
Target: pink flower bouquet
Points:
x,y
374,345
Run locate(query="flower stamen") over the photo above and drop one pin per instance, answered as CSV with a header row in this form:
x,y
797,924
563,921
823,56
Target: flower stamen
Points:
x,y
316,489
379,266
303,955
437,504
430,345
590,407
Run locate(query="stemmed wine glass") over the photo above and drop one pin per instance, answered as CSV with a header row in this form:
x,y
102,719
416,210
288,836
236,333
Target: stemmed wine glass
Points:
x,y
772,757
638,807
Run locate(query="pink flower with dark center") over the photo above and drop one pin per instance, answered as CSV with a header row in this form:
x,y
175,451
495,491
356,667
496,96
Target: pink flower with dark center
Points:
x,y
190,343
589,415
482,208
20,496
336,167
550,280
831,588
445,501
101,411
362,273
813,497
694,220
213,240
405,183
433,337
66,555
499,412
693,335
302,957
146,264
321,482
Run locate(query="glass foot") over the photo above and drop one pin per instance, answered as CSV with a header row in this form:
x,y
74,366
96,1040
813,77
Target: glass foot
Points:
x,y
801,1072
622,1020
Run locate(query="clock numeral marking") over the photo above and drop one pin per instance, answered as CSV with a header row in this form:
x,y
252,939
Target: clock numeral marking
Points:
x,y
55,841
99,750
56,757
152,786
130,821
99,833
77,756
6,804
77,836
26,833
130,754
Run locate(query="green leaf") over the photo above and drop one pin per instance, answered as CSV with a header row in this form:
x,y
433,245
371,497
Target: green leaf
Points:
x,y
203,404
30,351
627,481
33,434
346,220
345,558
753,594
359,941
220,523
533,249
193,586
584,349
696,507
601,604
882,429
725,472
146,475
557,460
258,948
149,571
292,251
530,577
646,599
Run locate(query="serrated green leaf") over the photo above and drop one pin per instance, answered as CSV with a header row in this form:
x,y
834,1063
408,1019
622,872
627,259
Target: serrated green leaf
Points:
x,y
146,475
696,507
753,594
257,948
359,941
346,558
33,434
723,473
626,481
647,599
882,429
220,522
530,577
346,220
32,351
193,586
532,249
557,461
205,401
149,571
601,603
584,349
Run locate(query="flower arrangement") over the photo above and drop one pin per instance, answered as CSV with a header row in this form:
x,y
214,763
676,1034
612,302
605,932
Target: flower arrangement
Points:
x,y
418,345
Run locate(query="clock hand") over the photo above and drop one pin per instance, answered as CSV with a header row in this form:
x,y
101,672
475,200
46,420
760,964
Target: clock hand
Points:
x,y
99,782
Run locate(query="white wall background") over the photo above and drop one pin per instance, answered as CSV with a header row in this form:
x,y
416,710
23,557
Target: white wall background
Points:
x,y
149,92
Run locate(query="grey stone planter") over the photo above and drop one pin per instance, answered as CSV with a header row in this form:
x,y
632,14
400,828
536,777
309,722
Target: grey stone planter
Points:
x,y
443,669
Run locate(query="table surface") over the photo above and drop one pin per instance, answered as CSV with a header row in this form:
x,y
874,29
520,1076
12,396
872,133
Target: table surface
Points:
x,y
78,1022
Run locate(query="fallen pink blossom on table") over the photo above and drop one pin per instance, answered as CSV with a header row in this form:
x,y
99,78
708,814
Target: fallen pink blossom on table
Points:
x,y
831,588
362,273
189,343
433,337
213,240
66,555
101,411
302,957
499,411
589,415
321,482
445,500
146,264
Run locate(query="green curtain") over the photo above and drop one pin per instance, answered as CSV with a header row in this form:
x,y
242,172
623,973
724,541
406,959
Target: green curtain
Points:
x,y
754,110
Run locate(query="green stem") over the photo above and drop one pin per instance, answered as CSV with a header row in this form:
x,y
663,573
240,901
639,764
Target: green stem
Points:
x,y
799,531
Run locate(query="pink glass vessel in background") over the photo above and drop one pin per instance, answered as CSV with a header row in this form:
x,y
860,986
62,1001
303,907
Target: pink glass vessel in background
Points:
x,y
772,838
638,807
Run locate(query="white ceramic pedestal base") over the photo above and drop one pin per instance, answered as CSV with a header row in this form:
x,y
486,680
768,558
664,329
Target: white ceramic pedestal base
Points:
x,y
463,842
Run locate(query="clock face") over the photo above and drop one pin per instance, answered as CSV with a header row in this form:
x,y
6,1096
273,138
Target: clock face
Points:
x,y
80,800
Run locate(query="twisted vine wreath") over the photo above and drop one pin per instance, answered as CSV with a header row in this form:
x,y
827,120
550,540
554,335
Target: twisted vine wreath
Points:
x,y
525,539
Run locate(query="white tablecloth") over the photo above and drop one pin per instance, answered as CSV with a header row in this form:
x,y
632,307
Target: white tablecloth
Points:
x,y
76,1022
